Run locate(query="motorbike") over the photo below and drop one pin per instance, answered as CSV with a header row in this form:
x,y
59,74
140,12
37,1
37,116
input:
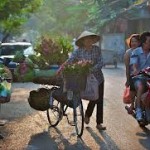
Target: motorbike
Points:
x,y
145,98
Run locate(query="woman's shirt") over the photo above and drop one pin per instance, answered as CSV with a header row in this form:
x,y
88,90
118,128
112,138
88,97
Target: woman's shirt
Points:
x,y
93,55
140,58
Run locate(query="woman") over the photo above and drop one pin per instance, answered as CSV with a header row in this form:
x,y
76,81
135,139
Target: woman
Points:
x,y
87,51
133,42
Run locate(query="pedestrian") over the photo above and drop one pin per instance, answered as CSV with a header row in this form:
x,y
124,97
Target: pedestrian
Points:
x,y
88,51
140,59
132,42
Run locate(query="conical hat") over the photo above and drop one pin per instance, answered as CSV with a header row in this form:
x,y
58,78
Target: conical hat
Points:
x,y
85,34
128,40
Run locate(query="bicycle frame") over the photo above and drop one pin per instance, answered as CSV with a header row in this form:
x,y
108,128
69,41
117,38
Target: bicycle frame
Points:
x,y
60,109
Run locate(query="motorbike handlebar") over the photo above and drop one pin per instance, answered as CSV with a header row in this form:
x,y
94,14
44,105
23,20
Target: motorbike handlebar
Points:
x,y
141,73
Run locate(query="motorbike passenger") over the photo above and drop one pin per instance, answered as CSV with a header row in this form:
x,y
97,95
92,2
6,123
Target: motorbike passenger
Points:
x,y
140,59
133,42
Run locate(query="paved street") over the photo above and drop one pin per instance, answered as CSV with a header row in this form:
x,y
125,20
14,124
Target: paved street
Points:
x,y
28,129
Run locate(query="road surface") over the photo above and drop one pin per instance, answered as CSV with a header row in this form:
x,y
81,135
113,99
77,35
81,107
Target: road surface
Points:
x,y
28,129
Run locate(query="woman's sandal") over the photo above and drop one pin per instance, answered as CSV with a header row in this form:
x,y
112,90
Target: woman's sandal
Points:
x,y
130,110
100,127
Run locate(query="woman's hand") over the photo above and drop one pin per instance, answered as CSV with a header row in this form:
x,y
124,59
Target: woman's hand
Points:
x,y
131,108
135,72
61,68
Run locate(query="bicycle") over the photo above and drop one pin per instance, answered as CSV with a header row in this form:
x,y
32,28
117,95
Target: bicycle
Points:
x,y
60,101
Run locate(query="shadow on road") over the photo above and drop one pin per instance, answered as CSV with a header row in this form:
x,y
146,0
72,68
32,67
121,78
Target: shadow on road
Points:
x,y
145,138
67,145
104,140
41,141
53,139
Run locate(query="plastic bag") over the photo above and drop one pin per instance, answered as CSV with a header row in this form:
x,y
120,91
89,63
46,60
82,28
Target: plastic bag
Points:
x,y
92,89
126,96
5,92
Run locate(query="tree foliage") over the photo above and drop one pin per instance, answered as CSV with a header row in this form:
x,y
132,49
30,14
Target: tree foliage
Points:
x,y
108,10
59,17
67,17
15,12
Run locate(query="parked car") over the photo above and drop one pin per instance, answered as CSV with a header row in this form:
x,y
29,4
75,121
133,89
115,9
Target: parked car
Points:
x,y
109,57
8,51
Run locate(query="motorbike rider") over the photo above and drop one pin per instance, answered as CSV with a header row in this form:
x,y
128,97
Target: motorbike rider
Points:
x,y
133,42
140,59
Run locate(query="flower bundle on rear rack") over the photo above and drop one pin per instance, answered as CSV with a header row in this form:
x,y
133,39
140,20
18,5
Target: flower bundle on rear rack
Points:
x,y
75,75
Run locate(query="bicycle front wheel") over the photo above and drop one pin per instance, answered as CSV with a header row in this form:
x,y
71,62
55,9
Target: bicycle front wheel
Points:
x,y
78,114
54,114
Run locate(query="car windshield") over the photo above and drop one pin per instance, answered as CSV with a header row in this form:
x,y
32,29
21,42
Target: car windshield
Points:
x,y
12,49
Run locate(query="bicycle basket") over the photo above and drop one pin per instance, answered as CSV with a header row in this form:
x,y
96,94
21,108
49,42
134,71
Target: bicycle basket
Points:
x,y
74,82
39,99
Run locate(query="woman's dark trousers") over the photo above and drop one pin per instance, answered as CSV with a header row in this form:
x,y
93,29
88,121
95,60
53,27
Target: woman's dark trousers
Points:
x,y
99,103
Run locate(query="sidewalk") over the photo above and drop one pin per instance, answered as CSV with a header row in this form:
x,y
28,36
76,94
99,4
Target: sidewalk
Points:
x,y
119,65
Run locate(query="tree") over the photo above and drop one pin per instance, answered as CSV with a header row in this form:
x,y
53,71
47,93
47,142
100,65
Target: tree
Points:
x,y
67,17
108,10
14,13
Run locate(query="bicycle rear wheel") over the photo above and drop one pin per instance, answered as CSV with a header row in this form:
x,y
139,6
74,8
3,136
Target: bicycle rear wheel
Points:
x,y
54,114
78,115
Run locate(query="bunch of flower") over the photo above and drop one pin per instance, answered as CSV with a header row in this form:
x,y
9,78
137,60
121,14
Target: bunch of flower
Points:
x,y
78,68
52,51
48,46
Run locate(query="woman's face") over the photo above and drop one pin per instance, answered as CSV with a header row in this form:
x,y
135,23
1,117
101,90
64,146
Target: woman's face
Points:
x,y
134,43
146,45
88,41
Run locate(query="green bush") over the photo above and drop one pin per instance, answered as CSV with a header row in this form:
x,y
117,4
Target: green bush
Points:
x,y
51,51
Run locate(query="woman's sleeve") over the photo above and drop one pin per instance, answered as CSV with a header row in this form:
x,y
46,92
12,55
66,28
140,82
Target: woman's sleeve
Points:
x,y
73,56
99,63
